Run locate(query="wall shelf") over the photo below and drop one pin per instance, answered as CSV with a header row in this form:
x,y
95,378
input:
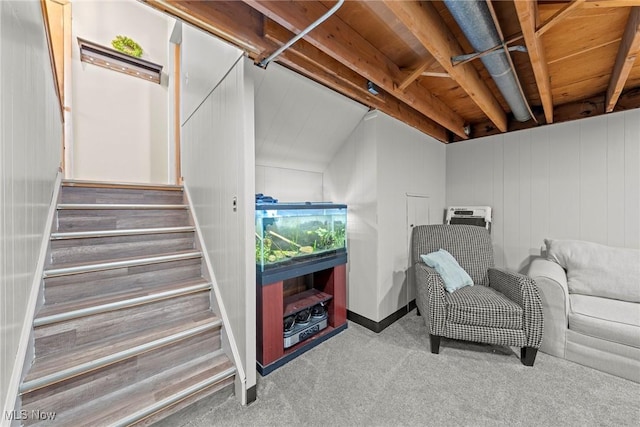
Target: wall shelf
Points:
x,y
112,59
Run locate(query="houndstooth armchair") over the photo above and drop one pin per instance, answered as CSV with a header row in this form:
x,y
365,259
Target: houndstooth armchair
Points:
x,y
502,307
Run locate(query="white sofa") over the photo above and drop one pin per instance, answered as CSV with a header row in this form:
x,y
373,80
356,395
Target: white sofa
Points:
x,y
591,305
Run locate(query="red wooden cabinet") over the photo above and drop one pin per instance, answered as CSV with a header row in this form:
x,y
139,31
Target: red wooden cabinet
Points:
x,y
277,300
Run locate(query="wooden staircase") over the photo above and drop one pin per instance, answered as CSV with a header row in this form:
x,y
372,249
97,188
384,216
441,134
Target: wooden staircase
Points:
x,y
126,334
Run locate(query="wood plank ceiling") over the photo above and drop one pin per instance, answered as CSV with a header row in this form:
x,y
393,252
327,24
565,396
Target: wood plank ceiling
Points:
x,y
579,61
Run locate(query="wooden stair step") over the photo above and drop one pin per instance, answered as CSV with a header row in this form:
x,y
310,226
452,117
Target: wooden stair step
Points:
x,y
89,306
59,289
60,367
120,185
93,385
117,206
118,218
93,249
163,392
77,268
110,233
91,192
65,336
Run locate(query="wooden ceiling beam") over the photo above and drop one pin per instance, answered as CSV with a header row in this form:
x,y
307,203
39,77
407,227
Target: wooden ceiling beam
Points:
x,y
426,24
303,49
558,16
388,105
588,107
611,3
309,61
231,21
338,40
526,11
627,53
415,73
260,36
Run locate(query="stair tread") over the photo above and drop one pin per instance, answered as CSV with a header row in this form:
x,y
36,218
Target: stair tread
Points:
x,y
67,235
113,260
49,310
122,185
110,409
49,364
120,206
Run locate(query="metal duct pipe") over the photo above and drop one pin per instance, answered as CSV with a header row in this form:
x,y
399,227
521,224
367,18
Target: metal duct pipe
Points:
x,y
474,18
302,33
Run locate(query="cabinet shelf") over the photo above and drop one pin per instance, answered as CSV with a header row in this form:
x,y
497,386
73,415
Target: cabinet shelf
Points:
x,y
302,300
324,286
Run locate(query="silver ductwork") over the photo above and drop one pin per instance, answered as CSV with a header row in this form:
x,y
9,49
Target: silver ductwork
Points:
x,y
474,18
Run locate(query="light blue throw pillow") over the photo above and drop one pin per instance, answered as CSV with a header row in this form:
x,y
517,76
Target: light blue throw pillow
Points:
x,y
453,276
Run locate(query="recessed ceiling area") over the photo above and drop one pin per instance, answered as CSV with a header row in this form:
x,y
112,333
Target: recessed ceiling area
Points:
x,y
299,123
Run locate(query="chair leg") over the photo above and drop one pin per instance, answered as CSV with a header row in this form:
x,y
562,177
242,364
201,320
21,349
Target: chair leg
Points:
x,y
418,311
435,343
528,355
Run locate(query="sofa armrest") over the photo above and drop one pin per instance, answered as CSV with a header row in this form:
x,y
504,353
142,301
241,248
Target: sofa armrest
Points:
x,y
551,280
523,291
430,298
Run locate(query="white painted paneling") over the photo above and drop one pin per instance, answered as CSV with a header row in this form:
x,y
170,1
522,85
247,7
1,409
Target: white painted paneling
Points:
x,y
497,227
409,162
120,128
615,156
593,180
289,185
299,123
564,181
218,168
382,161
631,179
577,180
351,179
540,179
205,61
30,154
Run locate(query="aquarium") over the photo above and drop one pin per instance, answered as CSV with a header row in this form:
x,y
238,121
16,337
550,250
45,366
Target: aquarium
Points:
x,y
293,239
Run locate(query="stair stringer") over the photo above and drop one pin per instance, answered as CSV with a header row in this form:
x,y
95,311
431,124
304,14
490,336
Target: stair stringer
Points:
x,y
26,352
229,344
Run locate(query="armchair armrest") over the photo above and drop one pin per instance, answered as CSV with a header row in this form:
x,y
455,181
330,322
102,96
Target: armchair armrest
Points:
x,y
554,292
430,297
523,291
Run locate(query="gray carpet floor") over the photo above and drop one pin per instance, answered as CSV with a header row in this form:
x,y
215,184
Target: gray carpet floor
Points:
x,y
360,378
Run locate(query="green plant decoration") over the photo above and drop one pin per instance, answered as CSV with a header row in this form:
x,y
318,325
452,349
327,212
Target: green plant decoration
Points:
x,y
126,45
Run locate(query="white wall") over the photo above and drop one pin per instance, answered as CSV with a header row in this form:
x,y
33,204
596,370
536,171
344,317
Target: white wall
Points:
x,y
408,162
205,61
30,154
380,163
299,127
350,178
300,124
120,123
576,180
289,185
218,168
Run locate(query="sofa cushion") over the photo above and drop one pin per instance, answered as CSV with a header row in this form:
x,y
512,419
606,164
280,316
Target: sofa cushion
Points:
x,y
483,306
607,319
598,270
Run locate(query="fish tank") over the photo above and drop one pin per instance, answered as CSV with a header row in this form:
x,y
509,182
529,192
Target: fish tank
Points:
x,y
293,239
